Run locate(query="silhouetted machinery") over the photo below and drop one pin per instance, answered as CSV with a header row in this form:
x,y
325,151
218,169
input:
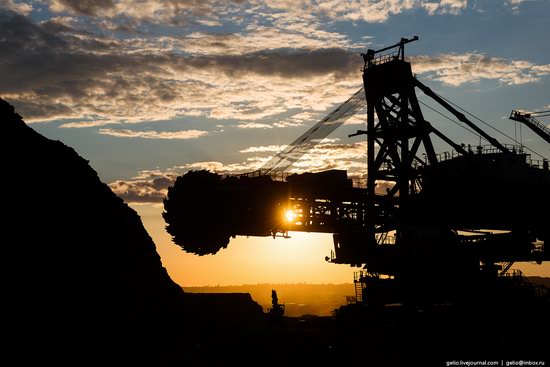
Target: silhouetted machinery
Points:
x,y
427,228
277,310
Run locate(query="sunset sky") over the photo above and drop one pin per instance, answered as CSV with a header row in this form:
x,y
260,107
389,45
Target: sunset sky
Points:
x,y
147,90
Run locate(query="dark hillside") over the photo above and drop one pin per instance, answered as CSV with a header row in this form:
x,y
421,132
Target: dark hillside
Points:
x,y
81,275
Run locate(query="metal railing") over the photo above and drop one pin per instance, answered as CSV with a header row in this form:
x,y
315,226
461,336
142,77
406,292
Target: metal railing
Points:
x,y
514,273
479,149
384,58
489,149
275,175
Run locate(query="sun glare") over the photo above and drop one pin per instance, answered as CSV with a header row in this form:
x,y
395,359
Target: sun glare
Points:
x,y
290,215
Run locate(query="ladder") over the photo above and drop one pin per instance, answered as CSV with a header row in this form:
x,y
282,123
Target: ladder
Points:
x,y
358,291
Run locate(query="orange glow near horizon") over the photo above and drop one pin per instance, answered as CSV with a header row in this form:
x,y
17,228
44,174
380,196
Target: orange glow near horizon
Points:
x,y
260,260
248,260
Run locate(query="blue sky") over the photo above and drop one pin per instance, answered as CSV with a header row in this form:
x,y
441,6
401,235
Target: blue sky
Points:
x,y
149,89
152,88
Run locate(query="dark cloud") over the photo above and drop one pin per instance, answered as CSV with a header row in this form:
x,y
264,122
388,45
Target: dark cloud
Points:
x,y
87,7
282,63
136,196
39,110
151,187
20,33
53,27
161,183
33,59
165,12
42,66
37,50
54,71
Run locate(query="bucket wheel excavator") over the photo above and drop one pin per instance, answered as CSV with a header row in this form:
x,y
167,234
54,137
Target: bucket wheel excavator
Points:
x,y
427,228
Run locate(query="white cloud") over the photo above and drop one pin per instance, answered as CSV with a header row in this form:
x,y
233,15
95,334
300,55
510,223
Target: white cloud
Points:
x,y
150,134
377,11
286,123
454,7
82,124
149,186
253,125
457,69
215,166
265,148
15,6
357,119
515,4
304,116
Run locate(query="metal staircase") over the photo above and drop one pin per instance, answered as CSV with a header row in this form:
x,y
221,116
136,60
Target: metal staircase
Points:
x,y
531,122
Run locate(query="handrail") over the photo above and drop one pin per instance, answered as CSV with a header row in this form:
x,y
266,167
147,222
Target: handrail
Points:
x,y
532,123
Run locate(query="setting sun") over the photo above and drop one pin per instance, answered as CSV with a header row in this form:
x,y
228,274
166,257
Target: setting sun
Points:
x,y
290,215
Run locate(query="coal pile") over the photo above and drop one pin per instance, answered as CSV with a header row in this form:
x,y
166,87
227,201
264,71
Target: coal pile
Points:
x,y
81,277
